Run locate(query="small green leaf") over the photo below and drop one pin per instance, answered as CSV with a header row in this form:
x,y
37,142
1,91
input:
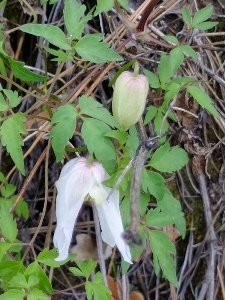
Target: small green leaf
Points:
x,y
166,159
172,89
19,281
172,39
64,119
97,289
10,132
51,33
103,6
77,272
124,4
44,283
3,248
93,132
37,294
164,70
132,141
94,109
155,217
160,123
85,268
206,25
13,97
176,58
153,183
92,49
12,294
188,50
162,248
120,136
7,224
3,105
203,15
8,190
151,113
203,99
152,79
186,16
20,72
74,20
47,257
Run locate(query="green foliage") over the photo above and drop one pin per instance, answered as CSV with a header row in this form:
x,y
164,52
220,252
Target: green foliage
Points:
x,y
96,289
64,119
85,268
102,52
10,133
166,159
103,6
162,248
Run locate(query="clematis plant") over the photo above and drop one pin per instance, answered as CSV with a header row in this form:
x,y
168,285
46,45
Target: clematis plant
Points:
x,y
80,180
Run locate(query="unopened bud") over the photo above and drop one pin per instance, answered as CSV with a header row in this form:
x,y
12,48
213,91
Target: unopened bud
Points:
x,y
129,98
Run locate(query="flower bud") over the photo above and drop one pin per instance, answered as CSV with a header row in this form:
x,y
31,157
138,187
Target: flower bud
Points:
x,y
129,98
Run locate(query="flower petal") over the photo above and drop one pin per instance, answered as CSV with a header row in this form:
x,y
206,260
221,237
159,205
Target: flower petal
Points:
x,y
111,222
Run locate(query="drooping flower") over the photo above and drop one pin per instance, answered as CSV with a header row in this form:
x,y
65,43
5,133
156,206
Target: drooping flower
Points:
x,y
129,98
80,179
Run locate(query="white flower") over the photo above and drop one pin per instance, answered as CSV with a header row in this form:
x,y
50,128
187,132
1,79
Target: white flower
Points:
x,y
78,180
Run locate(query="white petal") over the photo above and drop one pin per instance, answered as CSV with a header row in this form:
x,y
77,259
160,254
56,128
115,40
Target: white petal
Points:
x,y
111,222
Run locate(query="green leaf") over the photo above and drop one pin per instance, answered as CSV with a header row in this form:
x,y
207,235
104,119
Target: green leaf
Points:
x,y
103,6
19,281
65,119
47,257
172,89
120,136
203,99
93,132
94,109
203,15
166,159
13,97
206,25
188,50
151,113
37,294
162,248
92,49
10,132
20,72
8,190
156,217
160,123
51,33
3,105
132,141
44,283
85,268
171,206
176,58
124,4
12,294
172,39
153,183
22,209
186,16
164,70
8,226
152,79
97,289
74,20
3,248
2,178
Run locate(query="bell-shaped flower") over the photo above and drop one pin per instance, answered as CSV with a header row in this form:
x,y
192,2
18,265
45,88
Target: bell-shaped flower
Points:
x,y
129,98
80,180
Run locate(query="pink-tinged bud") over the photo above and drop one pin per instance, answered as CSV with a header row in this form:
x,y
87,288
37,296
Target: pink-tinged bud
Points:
x,y
129,98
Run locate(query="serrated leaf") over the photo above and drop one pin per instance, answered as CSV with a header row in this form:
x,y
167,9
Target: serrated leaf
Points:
x,y
155,217
11,139
166,159
92,49
12,294
37,294
103,6
203,99
13,97
3,248
151,113
65,119
44,283
176,59
20,72
172,89
74,20
47,257
171,206
51,33
162,248
153,183
8,190
97,289
3,105
93,132
86,267
77,272
203,15
206,25
120,136
8,226
152,79
94,109
164,70
186,16
19,281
